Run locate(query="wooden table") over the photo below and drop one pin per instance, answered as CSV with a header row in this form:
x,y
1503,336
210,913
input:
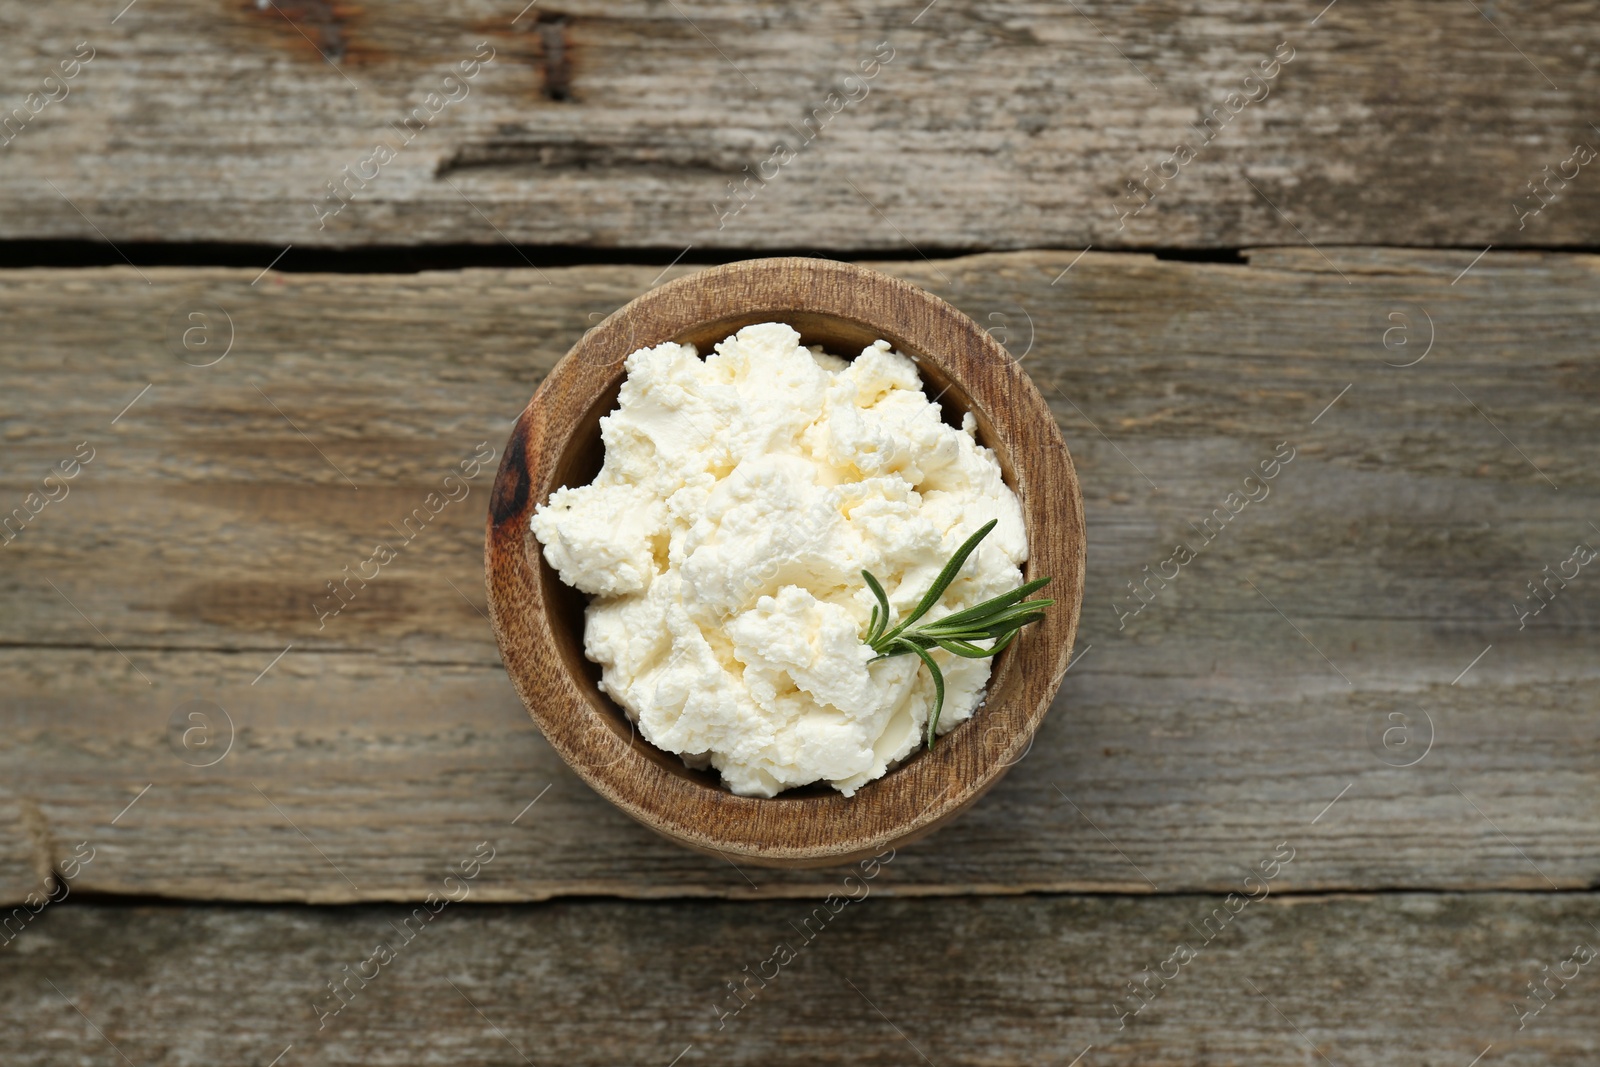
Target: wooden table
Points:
x,y
1331,794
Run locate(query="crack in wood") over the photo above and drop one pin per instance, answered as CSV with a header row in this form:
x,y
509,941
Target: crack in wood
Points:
x,y
551,150
555,60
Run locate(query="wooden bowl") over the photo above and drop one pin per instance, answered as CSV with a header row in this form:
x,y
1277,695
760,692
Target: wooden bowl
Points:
x,y
538,621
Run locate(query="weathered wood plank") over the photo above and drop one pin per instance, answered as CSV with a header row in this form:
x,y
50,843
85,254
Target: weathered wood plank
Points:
x,y
1008,125
1394,544
1396,979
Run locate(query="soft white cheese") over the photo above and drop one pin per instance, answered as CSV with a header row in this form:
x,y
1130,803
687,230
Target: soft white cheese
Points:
x,y
723,542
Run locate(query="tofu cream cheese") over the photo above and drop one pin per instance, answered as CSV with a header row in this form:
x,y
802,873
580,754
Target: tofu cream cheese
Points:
x,y
723,542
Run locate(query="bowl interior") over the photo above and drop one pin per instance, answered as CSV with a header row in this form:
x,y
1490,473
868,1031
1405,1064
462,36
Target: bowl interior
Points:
x,y
581,458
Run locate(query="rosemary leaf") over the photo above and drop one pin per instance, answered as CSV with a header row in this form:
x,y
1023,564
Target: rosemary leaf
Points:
x,y
946,576
882,614
965,649
1004,600
938,691
997,620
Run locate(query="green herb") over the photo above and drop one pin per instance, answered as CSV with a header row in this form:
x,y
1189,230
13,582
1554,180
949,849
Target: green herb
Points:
x,y
996,621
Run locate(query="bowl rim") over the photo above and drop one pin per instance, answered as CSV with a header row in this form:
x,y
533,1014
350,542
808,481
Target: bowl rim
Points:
x,y
929,788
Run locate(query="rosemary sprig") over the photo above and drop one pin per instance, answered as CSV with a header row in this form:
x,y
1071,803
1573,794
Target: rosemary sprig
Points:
x,y
996,620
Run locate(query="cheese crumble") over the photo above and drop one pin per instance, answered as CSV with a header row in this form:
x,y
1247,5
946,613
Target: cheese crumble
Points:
x,y
723,542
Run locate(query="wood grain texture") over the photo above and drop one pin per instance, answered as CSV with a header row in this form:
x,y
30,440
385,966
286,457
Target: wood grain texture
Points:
x,y
1018,124
1209,726
538,625
1391,980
